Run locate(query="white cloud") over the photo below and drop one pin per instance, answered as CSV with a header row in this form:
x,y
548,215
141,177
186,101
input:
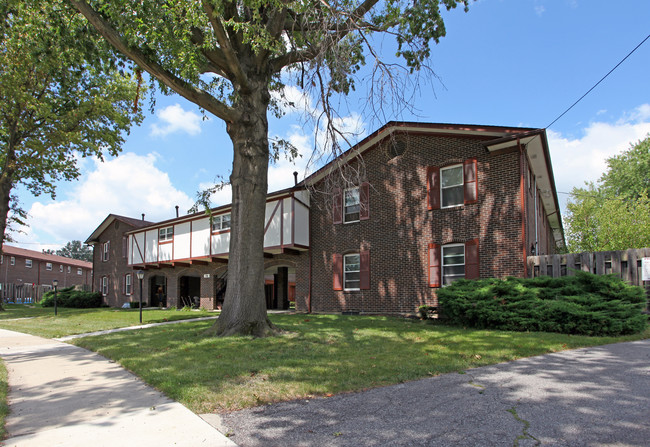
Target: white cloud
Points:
x,y
539,10
580,160
128,185
175,119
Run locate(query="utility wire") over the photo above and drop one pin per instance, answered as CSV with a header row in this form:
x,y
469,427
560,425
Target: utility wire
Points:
x,y
602,79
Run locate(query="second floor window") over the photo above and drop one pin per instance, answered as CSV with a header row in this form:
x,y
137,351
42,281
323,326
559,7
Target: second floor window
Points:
x,y
48,266
451,186
61,268
105,251
12,261
79,271
351,205
28,263
166,234
220,223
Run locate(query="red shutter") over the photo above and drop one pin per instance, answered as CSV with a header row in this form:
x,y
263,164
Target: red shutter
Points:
x,y
434,265
364,201
337,206
433,188
471,185
364,282
471,259
337,270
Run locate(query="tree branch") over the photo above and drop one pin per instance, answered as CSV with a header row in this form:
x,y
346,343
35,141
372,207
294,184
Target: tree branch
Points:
x,y
229,53
180,86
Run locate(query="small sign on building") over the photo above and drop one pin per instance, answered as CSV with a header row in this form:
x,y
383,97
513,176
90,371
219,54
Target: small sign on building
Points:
x,y
645,269
206,275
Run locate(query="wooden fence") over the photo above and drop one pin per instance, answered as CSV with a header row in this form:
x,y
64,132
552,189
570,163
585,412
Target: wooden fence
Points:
x,y
625,263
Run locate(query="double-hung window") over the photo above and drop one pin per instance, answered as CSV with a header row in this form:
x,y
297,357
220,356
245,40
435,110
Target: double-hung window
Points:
x,y
453,263
12,261
221,222
105,254
127,284
451,186
351,205
61,268
28,263
104,285
69,269
79,271
48,266
166,234
351,271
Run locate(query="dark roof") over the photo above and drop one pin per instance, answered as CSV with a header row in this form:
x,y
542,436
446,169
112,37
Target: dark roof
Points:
x,y
135,223
32,254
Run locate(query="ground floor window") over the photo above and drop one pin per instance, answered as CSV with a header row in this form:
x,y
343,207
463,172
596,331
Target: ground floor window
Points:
x,y
453,263
128,288
351,271
104,285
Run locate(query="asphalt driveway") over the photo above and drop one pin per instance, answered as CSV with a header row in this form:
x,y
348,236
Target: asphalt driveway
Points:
x,y
587,397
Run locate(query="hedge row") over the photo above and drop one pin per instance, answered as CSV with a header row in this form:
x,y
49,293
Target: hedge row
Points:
x,y
69,297
584,304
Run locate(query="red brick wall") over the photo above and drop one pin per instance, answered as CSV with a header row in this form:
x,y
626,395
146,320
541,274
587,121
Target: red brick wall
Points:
x,y
401,227
38,274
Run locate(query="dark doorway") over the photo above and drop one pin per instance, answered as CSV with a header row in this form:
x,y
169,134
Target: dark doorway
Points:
x,y
190,291
158,291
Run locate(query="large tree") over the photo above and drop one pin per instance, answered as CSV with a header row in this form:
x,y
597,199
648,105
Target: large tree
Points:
x,y
61,97
613,214
228,57
76,250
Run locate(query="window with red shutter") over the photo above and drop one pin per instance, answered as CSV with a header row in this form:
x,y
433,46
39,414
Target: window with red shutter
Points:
x,y
337,271
337,206
434,265
364,199
433,188
471,183
364,279
471,259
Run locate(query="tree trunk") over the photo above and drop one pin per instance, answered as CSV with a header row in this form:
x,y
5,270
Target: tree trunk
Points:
x,y
244,308
6,185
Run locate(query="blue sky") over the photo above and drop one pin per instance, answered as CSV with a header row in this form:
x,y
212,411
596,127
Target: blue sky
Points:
x,y
505,62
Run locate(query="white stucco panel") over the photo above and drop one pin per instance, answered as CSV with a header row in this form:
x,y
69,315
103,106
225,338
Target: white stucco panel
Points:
x,y
287,221
201,238
220,243
301,229
272,234
151,249
182,240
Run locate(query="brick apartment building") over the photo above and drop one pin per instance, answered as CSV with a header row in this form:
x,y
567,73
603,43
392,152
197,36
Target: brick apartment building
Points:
x,y
428,203
26,274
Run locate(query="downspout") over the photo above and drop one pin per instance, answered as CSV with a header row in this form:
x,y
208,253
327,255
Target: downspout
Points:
x,y
536,198
310,262
522,188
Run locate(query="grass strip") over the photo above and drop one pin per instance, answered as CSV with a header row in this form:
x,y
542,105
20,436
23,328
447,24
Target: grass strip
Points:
x,y
4,407
319,355
42,322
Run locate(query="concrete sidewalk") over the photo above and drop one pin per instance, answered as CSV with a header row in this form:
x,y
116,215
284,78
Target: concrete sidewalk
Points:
x,y
63,395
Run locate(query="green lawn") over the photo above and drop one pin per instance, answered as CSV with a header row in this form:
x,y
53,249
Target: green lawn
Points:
x,y
318,356
42,322
4,408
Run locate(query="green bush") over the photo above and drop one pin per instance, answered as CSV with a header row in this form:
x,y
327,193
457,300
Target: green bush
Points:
x,y
584,304
69,297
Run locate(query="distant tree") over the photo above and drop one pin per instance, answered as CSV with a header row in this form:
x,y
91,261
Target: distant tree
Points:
x,y
49,252
613,214
61,97
76,250
233,58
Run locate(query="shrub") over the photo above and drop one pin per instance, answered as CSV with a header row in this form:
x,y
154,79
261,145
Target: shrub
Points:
x,y
584,304
69,297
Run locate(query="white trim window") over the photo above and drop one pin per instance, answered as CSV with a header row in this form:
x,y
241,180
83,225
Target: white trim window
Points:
x,y
453,263
79,271
28,263
61,268
48,266
166,234
351,205
221,222
352,271
69,269
451,186
106,251
128,287
12,261
104,285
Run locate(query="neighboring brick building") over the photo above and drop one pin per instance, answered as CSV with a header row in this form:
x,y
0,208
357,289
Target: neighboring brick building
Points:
x,y
26,274
430,203
112,275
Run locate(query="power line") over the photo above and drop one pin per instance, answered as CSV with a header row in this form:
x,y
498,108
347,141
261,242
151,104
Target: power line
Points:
x,y
602,79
